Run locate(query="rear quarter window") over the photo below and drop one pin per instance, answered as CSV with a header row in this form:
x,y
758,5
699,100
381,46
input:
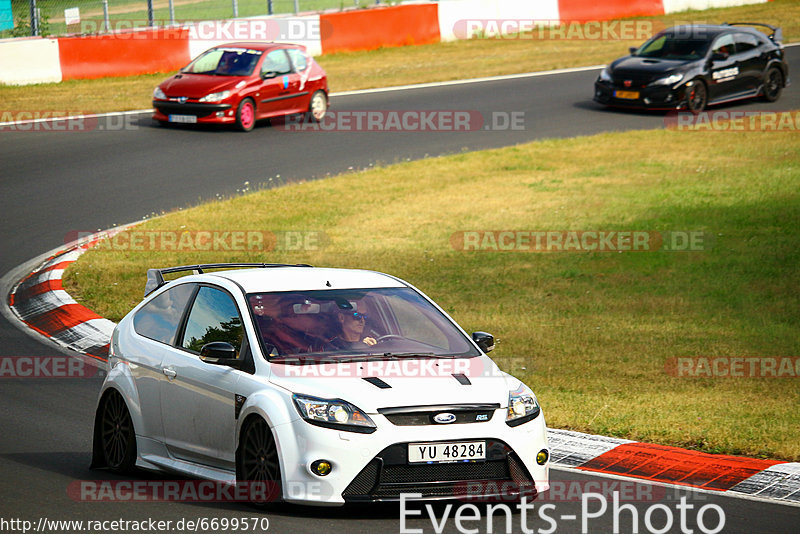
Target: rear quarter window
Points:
x,y
160,318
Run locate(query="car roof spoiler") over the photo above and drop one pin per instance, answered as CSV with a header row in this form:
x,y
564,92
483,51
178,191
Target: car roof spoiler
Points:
x,y
155,277
776,35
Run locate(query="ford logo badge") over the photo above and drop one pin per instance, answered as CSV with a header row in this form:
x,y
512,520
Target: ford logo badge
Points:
x,y
444,418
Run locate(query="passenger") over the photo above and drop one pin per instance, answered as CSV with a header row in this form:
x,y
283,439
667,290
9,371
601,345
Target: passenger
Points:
x,y
291,327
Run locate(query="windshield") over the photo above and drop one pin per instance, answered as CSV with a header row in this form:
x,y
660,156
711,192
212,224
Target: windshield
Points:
x,y
225,62
361,323
667,46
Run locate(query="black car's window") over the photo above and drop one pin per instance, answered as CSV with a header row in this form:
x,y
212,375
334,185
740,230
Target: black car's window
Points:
x,y
666,46
278,62
724,45
159,319
298,59
745,42
214,317
225,62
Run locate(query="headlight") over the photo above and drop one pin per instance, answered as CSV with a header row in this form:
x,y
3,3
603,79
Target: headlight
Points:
x,y
333,413
669,80
605,75
216,97
522,406
159,94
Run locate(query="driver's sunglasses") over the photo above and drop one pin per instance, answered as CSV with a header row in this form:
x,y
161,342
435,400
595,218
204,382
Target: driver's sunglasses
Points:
x,y
358,316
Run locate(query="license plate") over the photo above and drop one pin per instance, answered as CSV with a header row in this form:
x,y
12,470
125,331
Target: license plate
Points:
x,y
455,451
188,119
628,95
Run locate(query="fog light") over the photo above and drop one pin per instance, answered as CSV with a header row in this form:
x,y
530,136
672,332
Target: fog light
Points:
x,y
220,114
321,467
542,456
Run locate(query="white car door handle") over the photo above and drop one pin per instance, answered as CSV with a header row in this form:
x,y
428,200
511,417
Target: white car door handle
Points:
x,y
169,371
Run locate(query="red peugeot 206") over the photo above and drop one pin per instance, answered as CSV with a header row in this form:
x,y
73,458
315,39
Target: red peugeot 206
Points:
x,y
240,83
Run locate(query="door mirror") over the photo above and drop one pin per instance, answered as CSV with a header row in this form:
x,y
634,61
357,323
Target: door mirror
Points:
x,y
484,340
268,75
632,50
219,353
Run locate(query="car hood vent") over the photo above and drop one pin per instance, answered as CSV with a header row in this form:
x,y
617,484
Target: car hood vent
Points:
x,y
377,382
462,379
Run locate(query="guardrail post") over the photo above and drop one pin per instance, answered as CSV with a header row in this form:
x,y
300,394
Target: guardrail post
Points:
x,y
269,7
34,18
106,18
171,13
236,9
150,13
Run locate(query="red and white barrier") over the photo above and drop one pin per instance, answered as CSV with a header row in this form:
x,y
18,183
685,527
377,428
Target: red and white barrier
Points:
x,y
24,61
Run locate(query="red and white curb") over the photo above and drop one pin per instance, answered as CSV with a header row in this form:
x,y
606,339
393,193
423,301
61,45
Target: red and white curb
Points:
x,y
40,302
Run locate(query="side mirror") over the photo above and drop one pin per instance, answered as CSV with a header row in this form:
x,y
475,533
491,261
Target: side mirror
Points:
x,y
484,340
268,75
632,50
219,353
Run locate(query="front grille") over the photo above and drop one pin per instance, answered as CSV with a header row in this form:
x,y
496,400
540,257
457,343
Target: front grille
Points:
x,y
424,415
389,474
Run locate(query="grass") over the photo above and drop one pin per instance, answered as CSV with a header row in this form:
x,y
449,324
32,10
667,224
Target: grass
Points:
x,y
590,332
410,64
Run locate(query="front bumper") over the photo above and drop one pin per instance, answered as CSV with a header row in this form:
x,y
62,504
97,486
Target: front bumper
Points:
x,y
205,113
648,97
374,467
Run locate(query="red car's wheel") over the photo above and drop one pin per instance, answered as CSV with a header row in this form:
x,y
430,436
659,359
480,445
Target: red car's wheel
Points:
x,y
318,106
246,115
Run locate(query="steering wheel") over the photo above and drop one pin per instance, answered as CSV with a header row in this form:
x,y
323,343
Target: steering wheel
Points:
x,y
388,337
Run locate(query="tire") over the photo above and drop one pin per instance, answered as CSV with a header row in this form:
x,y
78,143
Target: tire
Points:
x,y
318,106
246,115
773,84
697,97
258,464
117,437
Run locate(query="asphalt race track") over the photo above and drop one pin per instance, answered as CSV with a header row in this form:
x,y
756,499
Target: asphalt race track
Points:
x,y
54,183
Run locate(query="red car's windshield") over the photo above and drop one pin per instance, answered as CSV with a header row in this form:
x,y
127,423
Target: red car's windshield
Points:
x,y
225,62
355,322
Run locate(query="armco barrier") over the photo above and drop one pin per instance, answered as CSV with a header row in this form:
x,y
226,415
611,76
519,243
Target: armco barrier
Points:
x,y
587,10
368,29
124,54
675,6
455,12
24,61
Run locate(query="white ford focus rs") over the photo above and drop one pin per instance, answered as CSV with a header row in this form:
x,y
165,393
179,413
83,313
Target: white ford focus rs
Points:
x,y
328,386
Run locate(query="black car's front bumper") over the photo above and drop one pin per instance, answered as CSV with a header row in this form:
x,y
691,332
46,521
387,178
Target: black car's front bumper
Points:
x,y
648,97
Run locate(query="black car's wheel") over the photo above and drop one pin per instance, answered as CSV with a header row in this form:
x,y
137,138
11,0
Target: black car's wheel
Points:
x,y
697,97
318,106
246,115
773,84
117,438
259,467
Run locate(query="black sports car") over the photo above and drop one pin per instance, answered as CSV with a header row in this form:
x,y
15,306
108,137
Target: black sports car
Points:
x,y
693,66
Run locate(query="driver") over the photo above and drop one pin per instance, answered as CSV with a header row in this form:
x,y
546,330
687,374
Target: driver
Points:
x,y
351,331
